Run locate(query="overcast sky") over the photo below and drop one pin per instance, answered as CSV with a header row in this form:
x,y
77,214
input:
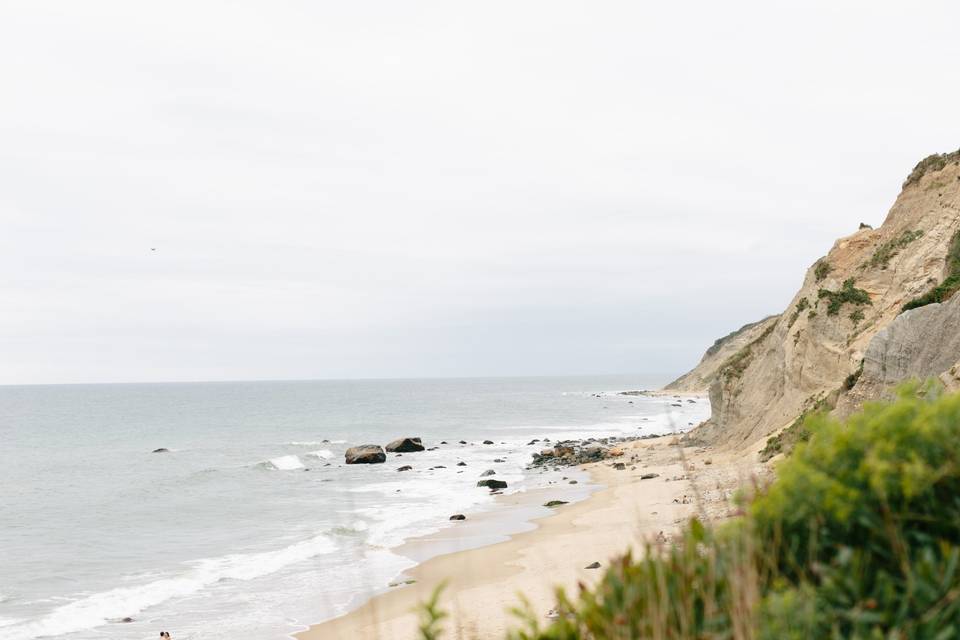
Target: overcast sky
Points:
x,y
392,189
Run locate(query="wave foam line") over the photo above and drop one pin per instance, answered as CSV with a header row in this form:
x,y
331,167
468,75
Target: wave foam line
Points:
x,y
96,610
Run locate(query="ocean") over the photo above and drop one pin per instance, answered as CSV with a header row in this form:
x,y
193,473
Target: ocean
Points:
x,y
250,525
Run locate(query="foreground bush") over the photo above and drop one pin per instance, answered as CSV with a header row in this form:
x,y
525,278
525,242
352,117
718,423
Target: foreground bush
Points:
x,y
857,538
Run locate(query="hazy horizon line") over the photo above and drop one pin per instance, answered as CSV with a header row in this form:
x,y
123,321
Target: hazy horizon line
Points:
x,y
346,379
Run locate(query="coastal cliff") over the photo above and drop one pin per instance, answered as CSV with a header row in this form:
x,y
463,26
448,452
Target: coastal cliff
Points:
x,y
845,337
702,376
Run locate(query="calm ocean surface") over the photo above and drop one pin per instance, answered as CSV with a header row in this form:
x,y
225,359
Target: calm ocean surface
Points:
x,y
251,526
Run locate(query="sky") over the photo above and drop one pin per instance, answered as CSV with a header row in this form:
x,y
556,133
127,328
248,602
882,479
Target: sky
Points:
x,y
287,190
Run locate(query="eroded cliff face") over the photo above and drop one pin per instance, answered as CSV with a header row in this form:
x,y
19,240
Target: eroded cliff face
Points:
x,y
919,344
848,297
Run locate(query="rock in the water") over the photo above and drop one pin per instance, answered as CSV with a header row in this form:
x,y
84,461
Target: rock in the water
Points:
x,y
492,484
499,460
461,464
365,454
405,467
593,565
619,466
405,445
648,476
458,516
555,503
488,442
161,450
488,472
463,442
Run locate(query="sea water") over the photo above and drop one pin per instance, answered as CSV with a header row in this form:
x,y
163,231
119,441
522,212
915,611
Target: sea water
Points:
x,y
251,525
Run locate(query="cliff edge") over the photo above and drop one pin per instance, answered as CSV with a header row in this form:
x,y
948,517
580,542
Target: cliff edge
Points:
x,y
845,336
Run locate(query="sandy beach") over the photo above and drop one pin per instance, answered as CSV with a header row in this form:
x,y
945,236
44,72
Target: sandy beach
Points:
x,y
482,584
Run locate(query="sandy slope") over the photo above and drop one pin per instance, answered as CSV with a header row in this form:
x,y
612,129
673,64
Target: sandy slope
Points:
x,y
483,583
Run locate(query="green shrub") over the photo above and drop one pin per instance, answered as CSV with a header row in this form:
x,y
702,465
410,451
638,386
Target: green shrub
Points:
x,y
738,362
847,293
885,252
856,538
857,317
801,306
822,269
864,520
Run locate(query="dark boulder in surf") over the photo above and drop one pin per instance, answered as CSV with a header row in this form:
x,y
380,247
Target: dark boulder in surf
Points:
x,y
458,516
161,450
488,472
405,445
405,467
365,454
492,484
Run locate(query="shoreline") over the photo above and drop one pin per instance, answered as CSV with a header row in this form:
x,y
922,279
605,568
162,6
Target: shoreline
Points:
x,y
483,582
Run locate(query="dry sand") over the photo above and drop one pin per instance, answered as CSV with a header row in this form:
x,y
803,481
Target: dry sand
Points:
x,y
482,584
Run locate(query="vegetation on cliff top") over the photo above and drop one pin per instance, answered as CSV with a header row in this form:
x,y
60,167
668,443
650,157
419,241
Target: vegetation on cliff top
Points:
x,y
856,538
738,362
719,342
931,163
822,269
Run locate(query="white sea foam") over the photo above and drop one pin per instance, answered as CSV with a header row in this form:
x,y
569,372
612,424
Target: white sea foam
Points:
x,y
6,622
284,463
323,454
95,610
308,443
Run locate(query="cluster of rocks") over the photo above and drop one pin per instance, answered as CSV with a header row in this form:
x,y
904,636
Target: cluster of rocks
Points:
x,y
575,452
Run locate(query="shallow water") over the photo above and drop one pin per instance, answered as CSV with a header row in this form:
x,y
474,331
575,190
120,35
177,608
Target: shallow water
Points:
x,y
251,526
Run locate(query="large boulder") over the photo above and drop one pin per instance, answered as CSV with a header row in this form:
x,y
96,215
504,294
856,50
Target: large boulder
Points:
x,y
492,484
365,454
405,445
